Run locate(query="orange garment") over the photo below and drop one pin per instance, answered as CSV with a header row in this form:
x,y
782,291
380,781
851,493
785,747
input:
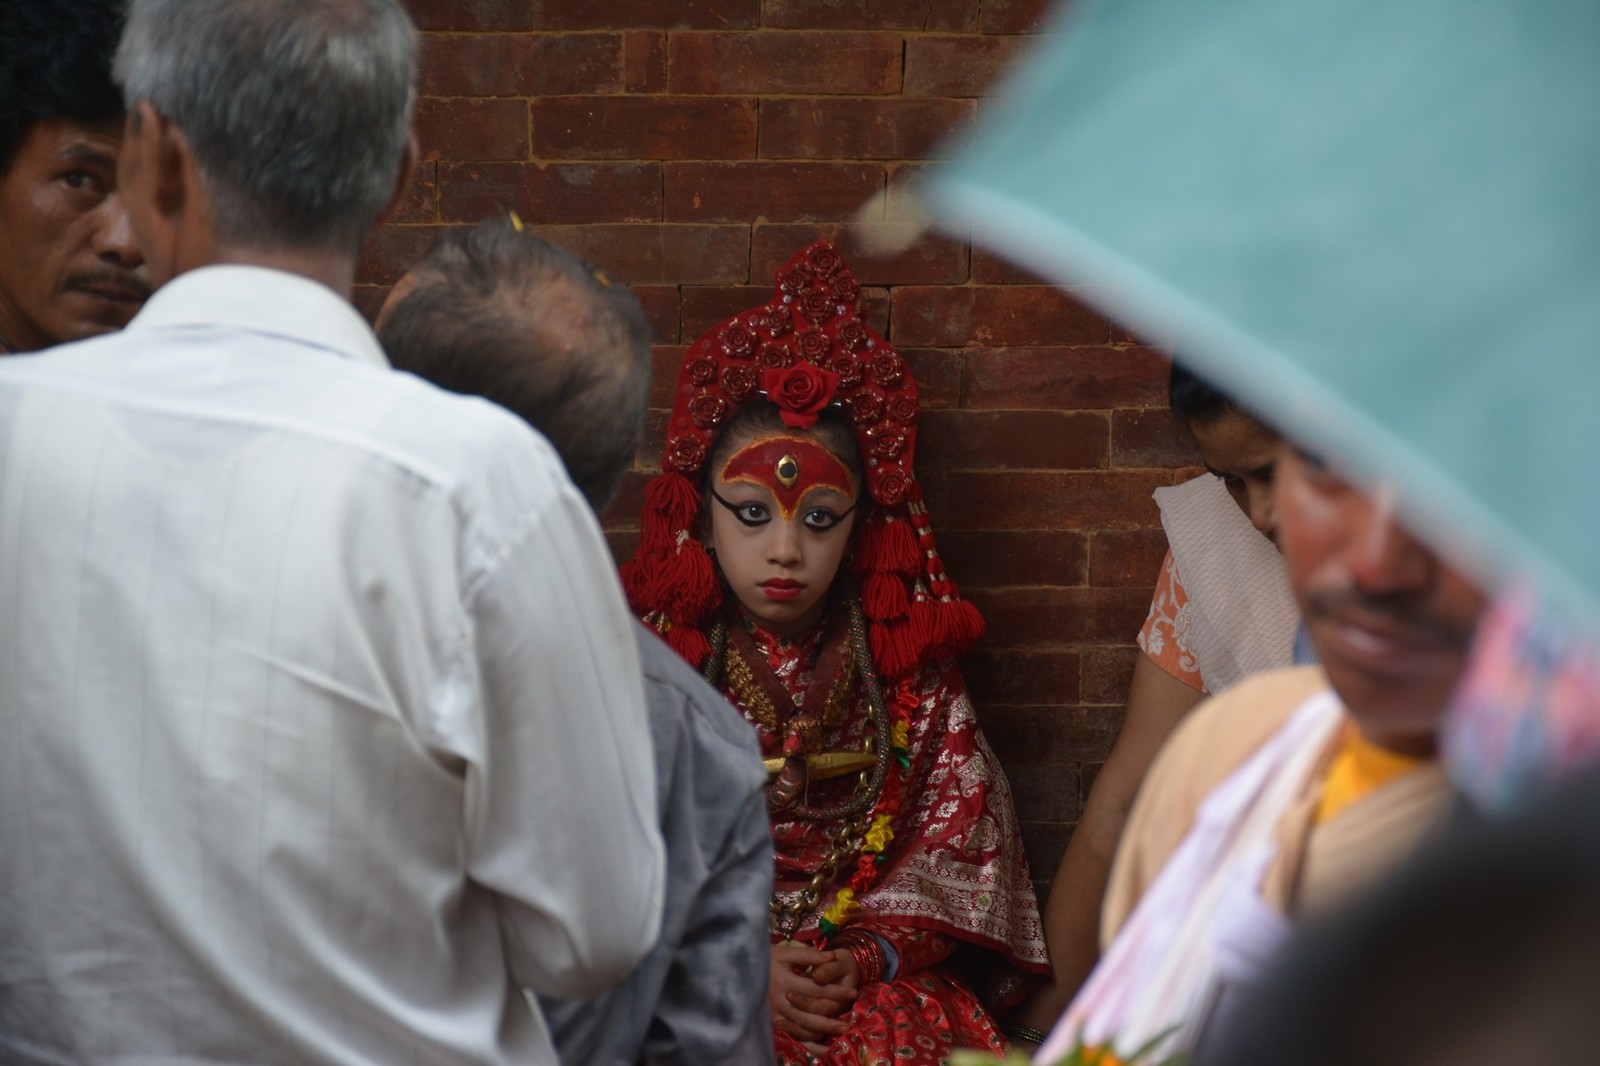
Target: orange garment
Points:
x,y
1165,636
1358,768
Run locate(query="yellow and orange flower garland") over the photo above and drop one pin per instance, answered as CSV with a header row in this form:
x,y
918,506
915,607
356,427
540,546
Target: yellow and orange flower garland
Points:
x,y
880,830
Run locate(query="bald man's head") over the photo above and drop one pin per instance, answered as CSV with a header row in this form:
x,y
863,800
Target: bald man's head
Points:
x,y
503,314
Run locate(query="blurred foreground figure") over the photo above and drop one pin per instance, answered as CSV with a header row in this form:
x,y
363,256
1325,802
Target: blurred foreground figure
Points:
x,y
1528,713
324,733
1293,789
71,268
506,315
1379,229
1481,951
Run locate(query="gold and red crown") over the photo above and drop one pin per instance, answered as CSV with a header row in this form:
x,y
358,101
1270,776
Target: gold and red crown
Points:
x,y
805,349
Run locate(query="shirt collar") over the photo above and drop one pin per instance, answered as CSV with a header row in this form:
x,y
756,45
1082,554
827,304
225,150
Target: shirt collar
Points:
x,y
261,300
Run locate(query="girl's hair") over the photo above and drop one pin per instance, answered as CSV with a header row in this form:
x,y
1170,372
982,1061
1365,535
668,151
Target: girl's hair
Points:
x,y
761,418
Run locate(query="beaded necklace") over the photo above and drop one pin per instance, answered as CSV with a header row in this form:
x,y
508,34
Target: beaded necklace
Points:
x,y
867,817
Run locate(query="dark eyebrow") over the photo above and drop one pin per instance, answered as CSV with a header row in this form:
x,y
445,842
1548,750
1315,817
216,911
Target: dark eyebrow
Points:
x,y
83,155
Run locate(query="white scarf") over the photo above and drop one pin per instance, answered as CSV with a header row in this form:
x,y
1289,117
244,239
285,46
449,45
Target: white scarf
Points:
x,y
1202,923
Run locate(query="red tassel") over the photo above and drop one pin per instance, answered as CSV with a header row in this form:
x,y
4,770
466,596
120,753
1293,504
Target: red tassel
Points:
x,y
958,626
697,592
633,575
883,596
674,498
671,510
890,652
685,584
964,626
690,644
888,546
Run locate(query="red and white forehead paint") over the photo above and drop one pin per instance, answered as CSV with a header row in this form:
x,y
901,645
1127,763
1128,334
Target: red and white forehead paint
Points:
x,y
791,468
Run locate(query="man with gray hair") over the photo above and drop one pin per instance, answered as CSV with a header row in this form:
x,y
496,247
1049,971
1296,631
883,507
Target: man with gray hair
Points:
x,y
496,312
323,730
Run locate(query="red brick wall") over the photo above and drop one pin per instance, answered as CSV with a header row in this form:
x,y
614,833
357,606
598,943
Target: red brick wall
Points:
x,y
690,147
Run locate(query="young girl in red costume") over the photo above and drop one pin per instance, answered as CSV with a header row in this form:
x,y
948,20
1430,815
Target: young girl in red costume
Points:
x,y
786,553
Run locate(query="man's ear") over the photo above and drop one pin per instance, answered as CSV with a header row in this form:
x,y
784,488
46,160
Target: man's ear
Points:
x,y
157,184
408,165
156,163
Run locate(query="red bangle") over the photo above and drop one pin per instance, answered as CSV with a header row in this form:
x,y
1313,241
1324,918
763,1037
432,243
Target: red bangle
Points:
x,y
867,953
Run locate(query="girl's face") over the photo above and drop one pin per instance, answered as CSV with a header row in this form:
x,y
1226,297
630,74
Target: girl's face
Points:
x,y
782,511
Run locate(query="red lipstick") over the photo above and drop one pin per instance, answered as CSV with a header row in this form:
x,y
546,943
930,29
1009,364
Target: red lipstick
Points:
x,y
782,589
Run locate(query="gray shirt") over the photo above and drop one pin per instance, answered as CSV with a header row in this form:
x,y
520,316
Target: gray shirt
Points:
x,y
700,996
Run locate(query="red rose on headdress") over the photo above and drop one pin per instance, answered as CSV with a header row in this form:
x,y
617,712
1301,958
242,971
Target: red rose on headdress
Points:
x,y
775,321
892,486
824,260
800,392
738,342
816,304
708,409
866,405
813,344
793,281
775,357
888,441
739,382
849,371
888,368
851,335
686,453
903,409
701,370
846,289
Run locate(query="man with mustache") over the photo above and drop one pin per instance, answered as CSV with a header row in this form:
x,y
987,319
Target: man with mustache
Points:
x,y
1294,788
71,268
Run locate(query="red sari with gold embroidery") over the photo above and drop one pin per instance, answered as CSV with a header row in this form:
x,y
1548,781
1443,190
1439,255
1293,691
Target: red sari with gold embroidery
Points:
x,y
952,895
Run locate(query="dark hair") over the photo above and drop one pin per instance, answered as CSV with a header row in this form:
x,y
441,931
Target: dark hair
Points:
x,y
522,322
297,111
55,62
1195,401
762,418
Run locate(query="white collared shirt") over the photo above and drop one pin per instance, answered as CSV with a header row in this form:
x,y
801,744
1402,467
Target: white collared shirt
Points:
x,y
321,726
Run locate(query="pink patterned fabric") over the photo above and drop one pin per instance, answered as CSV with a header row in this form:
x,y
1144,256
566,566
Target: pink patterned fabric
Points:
x,y
1528,709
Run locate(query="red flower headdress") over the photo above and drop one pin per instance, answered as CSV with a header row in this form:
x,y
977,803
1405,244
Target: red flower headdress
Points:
x,y
805,349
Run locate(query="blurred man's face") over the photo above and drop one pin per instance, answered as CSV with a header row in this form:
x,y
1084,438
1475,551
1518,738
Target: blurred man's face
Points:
x,y
71,268
1391,622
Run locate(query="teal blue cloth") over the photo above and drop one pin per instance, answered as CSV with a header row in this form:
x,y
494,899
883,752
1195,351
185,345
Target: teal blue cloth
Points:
x,y
1376,221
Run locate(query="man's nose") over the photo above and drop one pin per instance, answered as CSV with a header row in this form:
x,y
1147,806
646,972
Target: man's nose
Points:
x,y
113,239
1382,556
